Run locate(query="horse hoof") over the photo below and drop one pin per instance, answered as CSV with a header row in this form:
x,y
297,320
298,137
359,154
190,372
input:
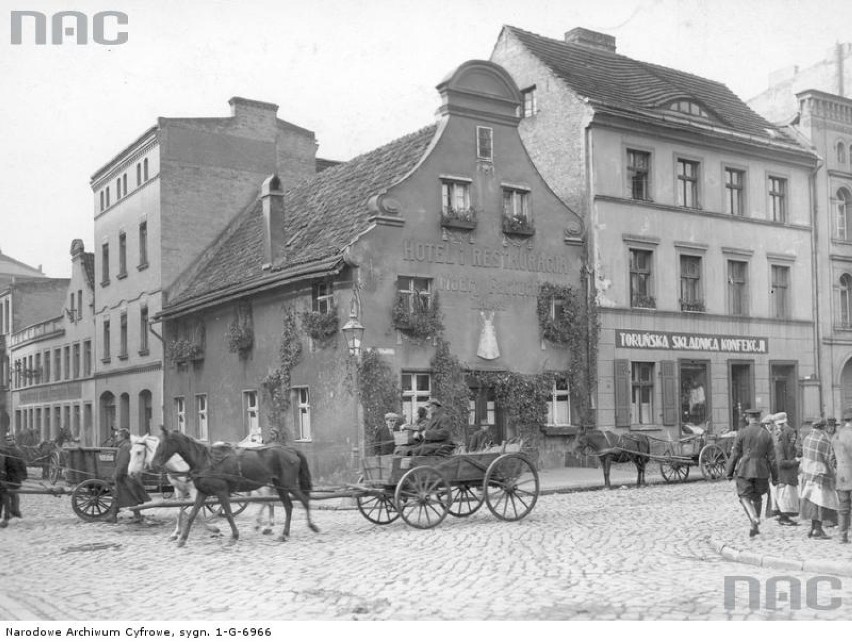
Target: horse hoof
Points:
x,y
280,538
267,531
181,543
173,538
232,541
314,528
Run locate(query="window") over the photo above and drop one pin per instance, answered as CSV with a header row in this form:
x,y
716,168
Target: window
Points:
x,y
640,279
105,264
841,153
76,361
455,197
47,366
638,173
687,183
180,414
734,192
66,370
484,143
122,255
138,174
117,189
73,309
122,337
778,199
107,196
143,330
79,304
87,358
738,288
124,184
38,368
145,170
322,297
559,404
251,411
688,107
143,244
642,395
417,291
57,364
691,295
530,107
779,293
416,391
102,200
516,204
106,356
846,301
201,412
841,215
302,408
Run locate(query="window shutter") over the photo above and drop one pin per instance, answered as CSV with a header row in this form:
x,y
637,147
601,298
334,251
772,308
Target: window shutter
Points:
x,y
669,382
622,393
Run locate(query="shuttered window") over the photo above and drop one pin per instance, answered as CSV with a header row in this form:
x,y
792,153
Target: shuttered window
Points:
x,y
622,393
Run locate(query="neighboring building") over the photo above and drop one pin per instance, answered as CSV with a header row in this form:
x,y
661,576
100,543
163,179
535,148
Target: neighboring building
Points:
x,y
451,220
816,103
53,360
11,269
157,205
699,231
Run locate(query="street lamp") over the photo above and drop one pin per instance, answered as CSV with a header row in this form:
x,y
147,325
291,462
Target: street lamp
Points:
x,y
353,332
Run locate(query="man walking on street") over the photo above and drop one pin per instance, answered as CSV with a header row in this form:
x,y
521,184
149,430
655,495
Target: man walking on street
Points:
x,y
753,461
787,490
841,442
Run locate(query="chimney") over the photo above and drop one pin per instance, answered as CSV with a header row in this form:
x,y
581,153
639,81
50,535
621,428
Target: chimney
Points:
x,y
589,38
274,234
253,110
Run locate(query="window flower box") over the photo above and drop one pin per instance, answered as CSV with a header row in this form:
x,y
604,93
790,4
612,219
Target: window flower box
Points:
x,y
181,351
643,301
518,225
240,337
692,306
459,219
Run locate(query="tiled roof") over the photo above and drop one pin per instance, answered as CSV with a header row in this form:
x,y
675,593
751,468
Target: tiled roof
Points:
x,y
618,81
324,214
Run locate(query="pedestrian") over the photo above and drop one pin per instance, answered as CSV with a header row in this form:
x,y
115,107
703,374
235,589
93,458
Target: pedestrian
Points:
x,y
786,454
381,440
15,474
438,433
841,444
818,498
753,462
129,491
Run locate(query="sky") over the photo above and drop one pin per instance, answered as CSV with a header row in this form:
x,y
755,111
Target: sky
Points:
x,y
358,73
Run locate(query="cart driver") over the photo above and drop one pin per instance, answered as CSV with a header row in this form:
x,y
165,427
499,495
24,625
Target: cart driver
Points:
x,y
129,491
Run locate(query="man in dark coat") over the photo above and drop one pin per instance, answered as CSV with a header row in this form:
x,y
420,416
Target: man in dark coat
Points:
x,y
16,473
787,456
129,491
753,461
438,431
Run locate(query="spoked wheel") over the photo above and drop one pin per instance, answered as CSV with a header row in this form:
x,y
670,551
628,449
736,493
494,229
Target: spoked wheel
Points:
x,y
54,468
237,506
466,499
378,508
92,500
712,460
671,470
511,487
423,497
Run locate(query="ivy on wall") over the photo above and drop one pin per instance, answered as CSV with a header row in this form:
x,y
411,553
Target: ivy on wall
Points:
x,y
240,338
449,385
415,318
523,399
320,326
379,389
276,385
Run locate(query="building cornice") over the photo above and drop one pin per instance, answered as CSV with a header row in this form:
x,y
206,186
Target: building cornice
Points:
x,y
705,317
133,150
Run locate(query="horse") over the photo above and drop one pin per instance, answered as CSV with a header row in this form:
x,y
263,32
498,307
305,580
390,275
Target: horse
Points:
x,y
225,470
40,453
255,440
610,448
177,472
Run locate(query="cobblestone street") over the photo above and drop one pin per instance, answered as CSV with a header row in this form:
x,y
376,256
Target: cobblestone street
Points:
x,y
622,554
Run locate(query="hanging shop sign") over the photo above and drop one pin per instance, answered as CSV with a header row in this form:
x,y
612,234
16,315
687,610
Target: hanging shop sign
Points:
x,y
691,342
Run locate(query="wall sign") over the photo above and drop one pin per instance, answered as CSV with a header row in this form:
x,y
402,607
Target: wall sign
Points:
x,y
509,258
691,342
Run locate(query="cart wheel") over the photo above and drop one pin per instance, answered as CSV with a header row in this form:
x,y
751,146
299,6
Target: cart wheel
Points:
x,y
713,461
54,468
466,499
237,506
92,500
511,487
378,508
671,470
423,497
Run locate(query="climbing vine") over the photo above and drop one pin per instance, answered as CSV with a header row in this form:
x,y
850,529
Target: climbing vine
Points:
x,y
320,326
379,389
417,318
450,386
276,384
523,398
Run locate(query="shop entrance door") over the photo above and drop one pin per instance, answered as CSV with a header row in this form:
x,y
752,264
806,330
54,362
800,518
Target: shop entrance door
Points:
x,y
741,385
783,392
694,393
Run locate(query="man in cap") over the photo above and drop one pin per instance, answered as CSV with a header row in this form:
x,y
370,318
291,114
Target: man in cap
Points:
x,y
787,456
818,498
753,461
438,431
841,443
14,475
381,441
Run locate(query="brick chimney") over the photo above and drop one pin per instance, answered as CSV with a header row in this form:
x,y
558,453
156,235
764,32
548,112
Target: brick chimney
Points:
x,y
589,38
253,111
274,233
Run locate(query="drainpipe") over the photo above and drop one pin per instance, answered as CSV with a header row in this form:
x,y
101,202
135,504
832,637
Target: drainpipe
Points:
x,y
591,278
812,187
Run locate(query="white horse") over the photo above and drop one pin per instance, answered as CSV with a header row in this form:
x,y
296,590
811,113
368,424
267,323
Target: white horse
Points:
x,y
142,453
255,440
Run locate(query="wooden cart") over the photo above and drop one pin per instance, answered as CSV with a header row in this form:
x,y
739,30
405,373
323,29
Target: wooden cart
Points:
x,y
423,490
708,451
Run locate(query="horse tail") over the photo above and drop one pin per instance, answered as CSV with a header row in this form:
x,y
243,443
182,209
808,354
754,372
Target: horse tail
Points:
x,y
305,483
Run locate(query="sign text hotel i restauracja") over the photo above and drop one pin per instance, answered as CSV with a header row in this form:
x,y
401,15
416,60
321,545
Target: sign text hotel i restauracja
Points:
x,y
694,342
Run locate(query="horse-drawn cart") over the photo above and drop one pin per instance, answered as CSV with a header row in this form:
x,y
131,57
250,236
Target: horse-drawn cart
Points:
x,y
423,490
707,450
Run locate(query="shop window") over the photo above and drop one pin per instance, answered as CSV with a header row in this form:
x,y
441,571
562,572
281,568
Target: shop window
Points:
x,y
738,288
641,293
559,404
691,292
780,291
485,143
180,414
778,199
694,397
302,408
638,174
734,192
251,412
687,183
201,416
416,391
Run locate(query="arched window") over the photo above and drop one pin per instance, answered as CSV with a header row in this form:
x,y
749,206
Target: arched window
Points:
x,y
846,300
843,214
841,153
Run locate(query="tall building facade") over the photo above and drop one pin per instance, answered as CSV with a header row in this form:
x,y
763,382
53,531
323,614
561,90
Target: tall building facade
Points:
x,y
698,216
157,205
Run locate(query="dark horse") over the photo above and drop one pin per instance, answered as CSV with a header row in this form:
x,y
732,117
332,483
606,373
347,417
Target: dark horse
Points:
x,y
47,454
222,471
610,448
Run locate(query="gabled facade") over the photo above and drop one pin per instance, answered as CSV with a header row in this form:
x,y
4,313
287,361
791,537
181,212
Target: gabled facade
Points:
x,y
53,361
452,222
699,229
157,205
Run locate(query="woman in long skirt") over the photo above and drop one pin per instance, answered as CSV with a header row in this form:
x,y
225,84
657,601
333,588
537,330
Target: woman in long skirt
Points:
x,y
818,498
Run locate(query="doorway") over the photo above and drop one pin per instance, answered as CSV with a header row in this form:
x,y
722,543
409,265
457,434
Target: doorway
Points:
x,y
741,386
784,389
694,393
485,412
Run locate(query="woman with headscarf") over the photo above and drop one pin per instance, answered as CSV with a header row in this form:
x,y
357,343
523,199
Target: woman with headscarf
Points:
x,y
818,498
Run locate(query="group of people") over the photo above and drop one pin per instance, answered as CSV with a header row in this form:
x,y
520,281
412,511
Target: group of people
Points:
x,y
810,471
431,432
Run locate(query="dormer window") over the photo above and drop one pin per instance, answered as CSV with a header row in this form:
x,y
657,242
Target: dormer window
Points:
x,y
688,107
484,143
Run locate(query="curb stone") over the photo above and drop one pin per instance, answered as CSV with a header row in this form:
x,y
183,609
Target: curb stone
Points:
x,y
732,554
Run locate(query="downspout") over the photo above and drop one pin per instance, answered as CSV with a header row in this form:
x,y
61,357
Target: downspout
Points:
x,y
812,187
591,281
